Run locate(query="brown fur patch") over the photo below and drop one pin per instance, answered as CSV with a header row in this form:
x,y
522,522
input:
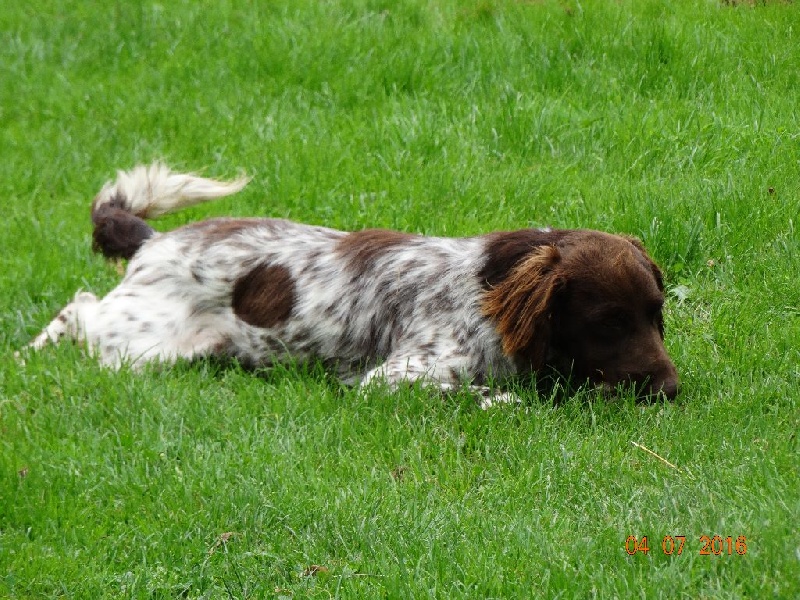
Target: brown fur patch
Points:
x,y
363,248
265,296
505,249
217,230
520,305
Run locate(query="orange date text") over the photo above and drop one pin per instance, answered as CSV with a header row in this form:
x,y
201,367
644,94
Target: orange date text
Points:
x,y
675,545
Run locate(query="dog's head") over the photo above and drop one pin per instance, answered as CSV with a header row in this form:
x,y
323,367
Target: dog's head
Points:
x,y
584,302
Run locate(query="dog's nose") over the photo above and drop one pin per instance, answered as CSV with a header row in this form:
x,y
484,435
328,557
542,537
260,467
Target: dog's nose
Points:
x,y
669,387
664,381
657,383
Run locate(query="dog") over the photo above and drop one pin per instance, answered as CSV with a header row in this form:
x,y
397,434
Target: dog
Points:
x,y
371,305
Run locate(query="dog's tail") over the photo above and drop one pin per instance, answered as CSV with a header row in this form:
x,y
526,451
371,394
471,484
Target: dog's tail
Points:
x,y
120,209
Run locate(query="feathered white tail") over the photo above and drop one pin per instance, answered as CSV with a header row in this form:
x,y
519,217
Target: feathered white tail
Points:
x,y
150,191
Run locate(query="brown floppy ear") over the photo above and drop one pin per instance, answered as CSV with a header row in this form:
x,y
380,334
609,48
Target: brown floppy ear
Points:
x,y
637,243
521,304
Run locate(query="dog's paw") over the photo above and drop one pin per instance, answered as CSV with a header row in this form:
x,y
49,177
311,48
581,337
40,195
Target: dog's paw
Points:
x,y
19,357
491,398
82,297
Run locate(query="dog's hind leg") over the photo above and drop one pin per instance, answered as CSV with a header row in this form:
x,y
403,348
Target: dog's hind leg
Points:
x,y
70,323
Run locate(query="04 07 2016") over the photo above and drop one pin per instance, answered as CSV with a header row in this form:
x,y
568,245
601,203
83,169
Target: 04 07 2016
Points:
x,y
675,545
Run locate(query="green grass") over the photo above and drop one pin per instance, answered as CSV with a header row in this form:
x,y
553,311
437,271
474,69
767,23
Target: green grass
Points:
x,y
678,122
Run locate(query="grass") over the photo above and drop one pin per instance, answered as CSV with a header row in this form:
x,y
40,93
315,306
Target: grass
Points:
x,y
677,122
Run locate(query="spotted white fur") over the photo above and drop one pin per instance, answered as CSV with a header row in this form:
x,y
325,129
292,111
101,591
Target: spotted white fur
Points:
x,y
414,315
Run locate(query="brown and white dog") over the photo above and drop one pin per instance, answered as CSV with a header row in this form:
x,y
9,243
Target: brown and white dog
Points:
x,y
372,304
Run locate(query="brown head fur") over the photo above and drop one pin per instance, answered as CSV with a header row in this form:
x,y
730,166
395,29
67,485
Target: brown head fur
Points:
x,y
584,302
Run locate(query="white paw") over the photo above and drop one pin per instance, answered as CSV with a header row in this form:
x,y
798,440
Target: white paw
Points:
x,y
496,399
84,298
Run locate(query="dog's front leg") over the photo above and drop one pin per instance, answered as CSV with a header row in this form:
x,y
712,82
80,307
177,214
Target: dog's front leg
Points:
x,y
449,374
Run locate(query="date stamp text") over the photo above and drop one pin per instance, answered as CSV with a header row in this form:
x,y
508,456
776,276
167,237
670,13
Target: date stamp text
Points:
x,y
675,545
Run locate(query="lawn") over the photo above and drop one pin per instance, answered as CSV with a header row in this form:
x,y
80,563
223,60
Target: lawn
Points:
x,y
678,122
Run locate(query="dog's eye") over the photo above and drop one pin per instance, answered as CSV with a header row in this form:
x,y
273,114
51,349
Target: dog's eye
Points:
x,y
613,324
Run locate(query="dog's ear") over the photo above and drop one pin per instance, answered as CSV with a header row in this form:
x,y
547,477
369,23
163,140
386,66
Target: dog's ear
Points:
x,y
521,305
637,243
655,270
